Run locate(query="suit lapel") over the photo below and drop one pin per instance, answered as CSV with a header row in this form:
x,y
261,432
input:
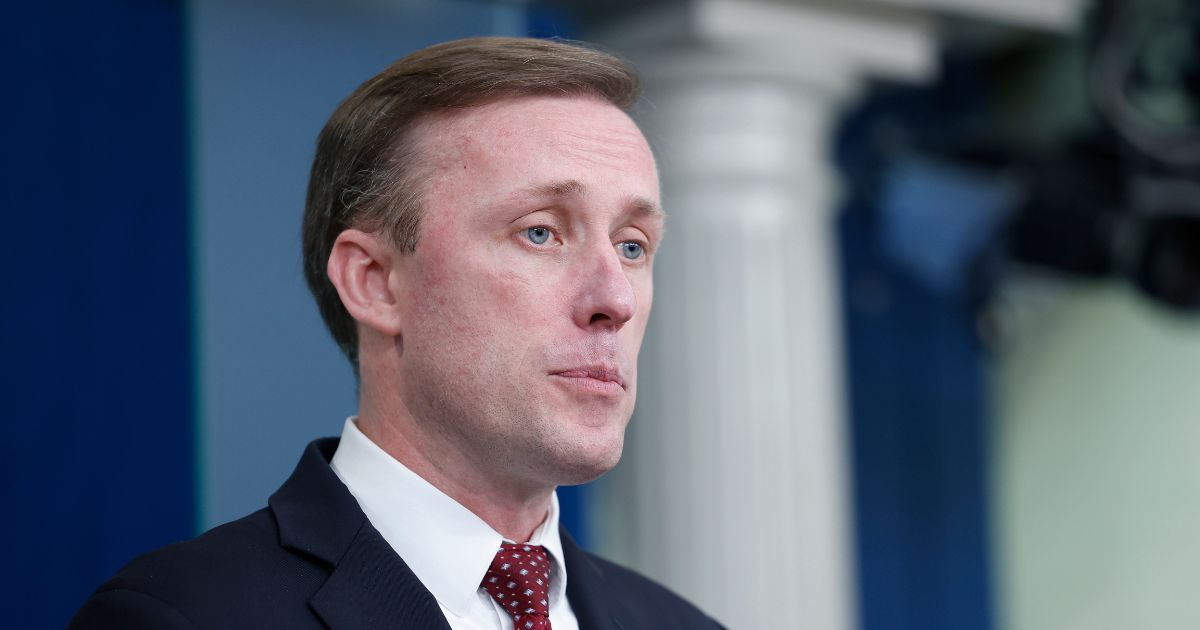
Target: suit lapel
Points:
x,y
595,604
369,585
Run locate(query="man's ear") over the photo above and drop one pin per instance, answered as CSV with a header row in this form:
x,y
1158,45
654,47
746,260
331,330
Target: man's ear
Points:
x,y
361,267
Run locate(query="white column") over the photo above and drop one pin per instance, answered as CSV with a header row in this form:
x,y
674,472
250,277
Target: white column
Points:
x,y
735,487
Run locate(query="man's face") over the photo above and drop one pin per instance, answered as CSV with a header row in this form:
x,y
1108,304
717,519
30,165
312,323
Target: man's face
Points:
x,y
528,293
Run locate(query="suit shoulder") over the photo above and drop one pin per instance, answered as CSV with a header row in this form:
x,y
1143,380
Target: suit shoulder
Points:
x,y
230,568
247,545
662,606
120,608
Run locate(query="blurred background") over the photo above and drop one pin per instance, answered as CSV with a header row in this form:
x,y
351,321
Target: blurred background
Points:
x,y
926,342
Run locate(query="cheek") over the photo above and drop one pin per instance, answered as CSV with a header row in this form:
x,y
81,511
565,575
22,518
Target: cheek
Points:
x,y
646,296
523,306
643,287
635,330
487,304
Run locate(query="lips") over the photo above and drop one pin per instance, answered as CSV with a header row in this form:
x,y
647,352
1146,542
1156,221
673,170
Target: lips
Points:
x,y
601,373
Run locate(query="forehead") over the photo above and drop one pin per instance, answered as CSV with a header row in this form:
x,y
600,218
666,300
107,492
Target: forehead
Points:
x,y
515,143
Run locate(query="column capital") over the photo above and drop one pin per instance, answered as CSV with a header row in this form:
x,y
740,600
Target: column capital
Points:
x,y
823,46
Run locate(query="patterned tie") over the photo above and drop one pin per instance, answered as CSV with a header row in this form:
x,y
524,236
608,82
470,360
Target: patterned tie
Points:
x,y
519,580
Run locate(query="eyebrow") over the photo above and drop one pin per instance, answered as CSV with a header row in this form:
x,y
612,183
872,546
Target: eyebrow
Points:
x,y
566,188
575,188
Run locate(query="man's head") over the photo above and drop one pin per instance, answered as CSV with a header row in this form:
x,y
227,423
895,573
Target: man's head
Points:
x,y
479,231
366,173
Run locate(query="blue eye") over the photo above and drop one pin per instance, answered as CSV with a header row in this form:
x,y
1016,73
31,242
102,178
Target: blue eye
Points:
x,y
538,235
631,250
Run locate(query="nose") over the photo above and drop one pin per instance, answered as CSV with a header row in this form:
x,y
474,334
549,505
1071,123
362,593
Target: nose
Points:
x,y
606,297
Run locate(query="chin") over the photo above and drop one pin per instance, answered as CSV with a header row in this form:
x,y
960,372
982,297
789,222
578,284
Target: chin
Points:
x,y
588,459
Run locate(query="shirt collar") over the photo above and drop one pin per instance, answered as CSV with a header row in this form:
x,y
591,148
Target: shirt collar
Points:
x,y
446,545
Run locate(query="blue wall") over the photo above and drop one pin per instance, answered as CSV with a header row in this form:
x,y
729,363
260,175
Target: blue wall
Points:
x,y
95,384
913,241
918,444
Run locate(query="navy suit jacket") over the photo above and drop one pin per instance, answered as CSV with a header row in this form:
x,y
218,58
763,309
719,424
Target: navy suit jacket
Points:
x,y
311,559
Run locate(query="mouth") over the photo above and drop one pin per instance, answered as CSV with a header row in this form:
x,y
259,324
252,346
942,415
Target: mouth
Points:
x,y
601,379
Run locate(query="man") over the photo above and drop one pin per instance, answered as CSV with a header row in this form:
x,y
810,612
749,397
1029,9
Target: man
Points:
x,y
480,226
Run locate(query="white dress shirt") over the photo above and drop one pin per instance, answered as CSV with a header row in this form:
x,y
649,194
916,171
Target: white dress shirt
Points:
x,y
446,545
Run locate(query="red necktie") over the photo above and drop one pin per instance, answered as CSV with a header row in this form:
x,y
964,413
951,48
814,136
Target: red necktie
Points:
x,y
519,580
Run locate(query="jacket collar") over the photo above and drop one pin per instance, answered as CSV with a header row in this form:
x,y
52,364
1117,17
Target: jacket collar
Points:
x,y
369,585
593,600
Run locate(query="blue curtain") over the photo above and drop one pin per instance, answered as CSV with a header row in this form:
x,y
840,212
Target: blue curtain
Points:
x,y
918,415
96,372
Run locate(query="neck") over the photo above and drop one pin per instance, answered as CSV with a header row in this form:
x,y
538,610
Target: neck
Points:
x,y
513,507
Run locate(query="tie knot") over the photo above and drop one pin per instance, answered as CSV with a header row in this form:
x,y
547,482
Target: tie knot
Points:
x,y
519,580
